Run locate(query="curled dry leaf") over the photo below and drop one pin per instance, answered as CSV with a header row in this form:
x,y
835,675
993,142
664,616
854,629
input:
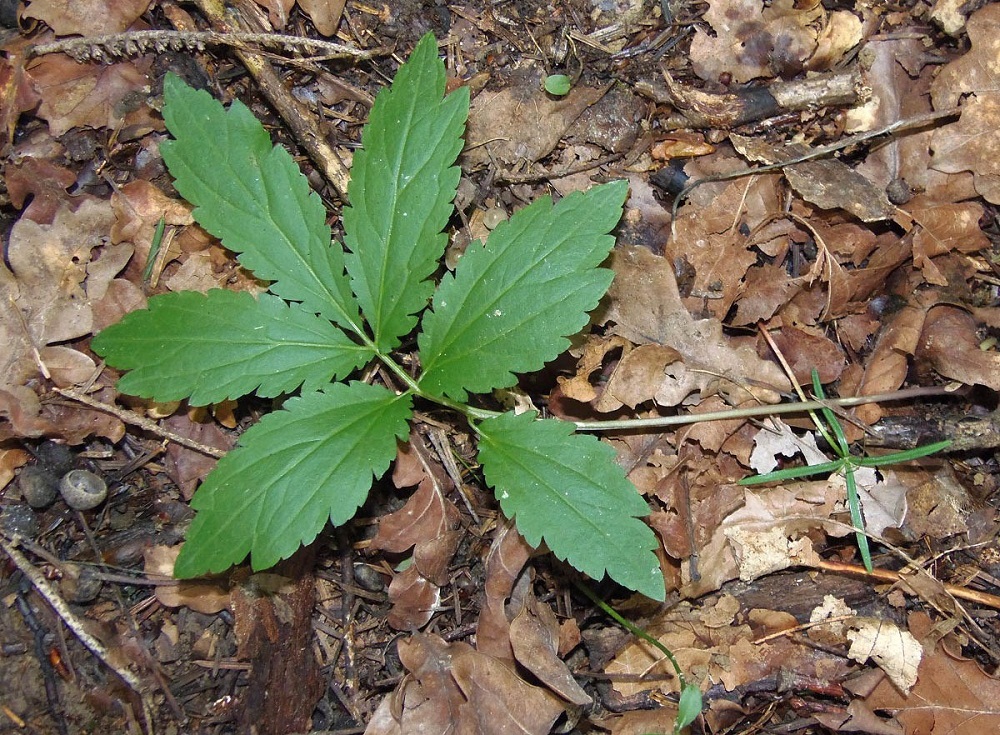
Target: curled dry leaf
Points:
x,y
86,17
454,688
646,308
534,635
203,596
949,343
428,523
895,651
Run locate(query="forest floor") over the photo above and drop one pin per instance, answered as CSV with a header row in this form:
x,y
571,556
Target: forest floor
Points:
x,y
847,224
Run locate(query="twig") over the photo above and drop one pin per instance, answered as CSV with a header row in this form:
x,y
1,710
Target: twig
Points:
x,y
72,622
133,43
887,575
752,411
130,417
917,121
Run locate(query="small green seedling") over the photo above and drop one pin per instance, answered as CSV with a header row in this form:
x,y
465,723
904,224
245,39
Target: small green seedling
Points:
x,y
558,85
334,309
690,703
833,433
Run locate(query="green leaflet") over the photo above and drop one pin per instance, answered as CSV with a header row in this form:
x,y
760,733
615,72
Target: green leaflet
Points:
x,y
511,304
401,191
225,345
311,462
254,198
565,488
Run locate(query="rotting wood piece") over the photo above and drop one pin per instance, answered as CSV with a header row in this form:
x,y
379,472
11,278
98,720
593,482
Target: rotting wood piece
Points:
x,y
694,108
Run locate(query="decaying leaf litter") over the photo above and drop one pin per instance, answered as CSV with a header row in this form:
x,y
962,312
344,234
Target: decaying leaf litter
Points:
x,y
872,264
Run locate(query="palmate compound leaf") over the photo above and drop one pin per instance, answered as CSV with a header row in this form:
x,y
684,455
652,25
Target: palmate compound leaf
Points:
x,y
403,182
224,344
299,467
511,304
566,489
253,197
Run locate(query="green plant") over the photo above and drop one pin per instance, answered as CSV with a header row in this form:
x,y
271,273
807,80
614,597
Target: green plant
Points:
x,y
690,702
508,308
557,85
831,430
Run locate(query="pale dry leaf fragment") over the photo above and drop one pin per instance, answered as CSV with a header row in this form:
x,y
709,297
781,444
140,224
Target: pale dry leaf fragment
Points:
x,y
895,651
947,14
765,551
778,439
978,70
753,41
950,696
204,596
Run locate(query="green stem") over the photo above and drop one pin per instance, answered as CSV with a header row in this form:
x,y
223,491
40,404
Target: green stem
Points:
x,y
633,629
751,411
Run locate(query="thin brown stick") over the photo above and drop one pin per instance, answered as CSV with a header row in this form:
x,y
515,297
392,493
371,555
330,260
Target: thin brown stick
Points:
x,y
130,417
887,575
72,622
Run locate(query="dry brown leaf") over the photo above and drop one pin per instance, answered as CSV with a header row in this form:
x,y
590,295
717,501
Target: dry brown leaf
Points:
x,y
521,122
203,596
414,599
93,95
951,697
86,17
827,183
711,244
809,349
973,143
534,635
886,367
766,289
945,228
949,343
508,554
646,308
325,14
187,467
745,40
46,184
454,688
10,460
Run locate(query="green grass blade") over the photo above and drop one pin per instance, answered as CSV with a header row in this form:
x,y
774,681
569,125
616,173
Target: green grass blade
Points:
x,y
906,456
309,463
840,445
793,473
857,520
225,344
512,303
403,182
566,489
253,197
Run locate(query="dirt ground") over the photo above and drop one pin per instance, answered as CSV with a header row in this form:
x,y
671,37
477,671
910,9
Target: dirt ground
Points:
x,y
875,262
